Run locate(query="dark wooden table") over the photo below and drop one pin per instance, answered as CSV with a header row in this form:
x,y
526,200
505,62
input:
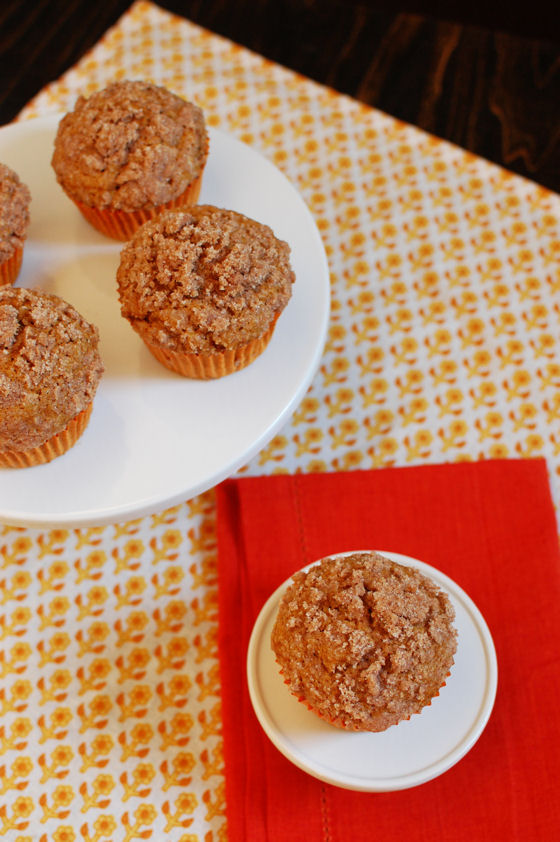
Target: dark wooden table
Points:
x,y
487,79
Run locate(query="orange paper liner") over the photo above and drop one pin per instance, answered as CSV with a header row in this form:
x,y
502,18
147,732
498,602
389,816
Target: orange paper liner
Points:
x,y
338,723
53,447
9,269
121,225
210,366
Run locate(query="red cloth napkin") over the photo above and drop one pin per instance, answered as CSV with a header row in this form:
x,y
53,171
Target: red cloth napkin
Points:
x,y
491,527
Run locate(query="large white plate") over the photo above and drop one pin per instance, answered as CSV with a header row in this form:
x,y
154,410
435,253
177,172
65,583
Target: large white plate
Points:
x,y
155,438
405,755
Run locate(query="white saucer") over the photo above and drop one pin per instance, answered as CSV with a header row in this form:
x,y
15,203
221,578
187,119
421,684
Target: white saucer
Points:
x,y
405,755
155,438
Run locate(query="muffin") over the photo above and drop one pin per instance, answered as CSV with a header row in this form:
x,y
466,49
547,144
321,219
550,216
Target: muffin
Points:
x,y
204,288
129,151
363,641
14,220
49,372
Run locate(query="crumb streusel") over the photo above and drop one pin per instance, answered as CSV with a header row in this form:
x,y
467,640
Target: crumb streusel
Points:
x,y
131,145
366,642
49,366
14,212
203,279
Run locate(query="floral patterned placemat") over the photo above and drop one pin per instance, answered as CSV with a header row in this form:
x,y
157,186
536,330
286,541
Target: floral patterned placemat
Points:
x,y
444,345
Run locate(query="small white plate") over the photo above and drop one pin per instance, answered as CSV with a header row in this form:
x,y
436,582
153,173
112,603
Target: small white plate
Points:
x,y
405,755
155,438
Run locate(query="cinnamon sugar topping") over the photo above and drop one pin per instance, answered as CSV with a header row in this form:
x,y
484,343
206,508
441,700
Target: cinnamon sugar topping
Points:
x,y
364,641
14,212
132,145
49,366
203,279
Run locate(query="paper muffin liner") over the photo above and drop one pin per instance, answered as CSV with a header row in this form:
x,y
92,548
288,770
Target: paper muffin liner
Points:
x,y
121,225
211,366
345,726
9,268
53,447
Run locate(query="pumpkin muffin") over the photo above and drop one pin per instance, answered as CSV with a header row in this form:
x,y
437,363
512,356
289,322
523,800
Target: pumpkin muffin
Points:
x,y
129,151
363,641
14,220
204,287
49,372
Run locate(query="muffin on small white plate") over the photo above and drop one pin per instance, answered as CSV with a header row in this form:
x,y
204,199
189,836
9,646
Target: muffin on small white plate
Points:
x,y
363,641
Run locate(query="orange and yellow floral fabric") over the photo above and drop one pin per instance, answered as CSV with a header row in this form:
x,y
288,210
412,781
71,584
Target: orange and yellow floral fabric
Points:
x,y
444,345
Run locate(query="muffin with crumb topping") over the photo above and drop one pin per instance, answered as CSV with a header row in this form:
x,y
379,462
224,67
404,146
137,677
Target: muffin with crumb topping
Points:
x,y
364,641
129,151
204,288
50,368
14,220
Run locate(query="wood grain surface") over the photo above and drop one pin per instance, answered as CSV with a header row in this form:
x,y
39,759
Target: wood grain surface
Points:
x,y
480,76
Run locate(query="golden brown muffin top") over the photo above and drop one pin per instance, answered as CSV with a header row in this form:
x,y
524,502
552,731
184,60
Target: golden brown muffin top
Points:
x,y
364,640
49,366
203,279
14,212
131,145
